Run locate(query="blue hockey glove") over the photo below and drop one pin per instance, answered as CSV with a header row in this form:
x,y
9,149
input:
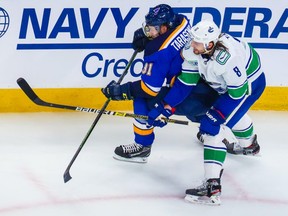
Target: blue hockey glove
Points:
x,y
117,92
139,40
210,123
157,111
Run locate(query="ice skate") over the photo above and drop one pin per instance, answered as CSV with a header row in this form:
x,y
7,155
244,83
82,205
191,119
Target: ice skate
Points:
x,y
235,148
132,153
208,193
253,149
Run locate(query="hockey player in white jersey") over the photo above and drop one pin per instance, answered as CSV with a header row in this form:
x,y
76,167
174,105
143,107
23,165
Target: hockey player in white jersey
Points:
x,y
232,68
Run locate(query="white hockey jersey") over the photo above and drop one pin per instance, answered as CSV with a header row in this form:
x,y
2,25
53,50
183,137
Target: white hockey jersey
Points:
x,y
230,70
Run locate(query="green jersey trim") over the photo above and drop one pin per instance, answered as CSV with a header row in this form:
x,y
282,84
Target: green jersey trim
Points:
x,y
189,77
254,63
239,91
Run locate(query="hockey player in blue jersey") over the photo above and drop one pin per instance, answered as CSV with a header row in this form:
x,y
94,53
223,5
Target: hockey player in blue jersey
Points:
x,y
163,35
233,68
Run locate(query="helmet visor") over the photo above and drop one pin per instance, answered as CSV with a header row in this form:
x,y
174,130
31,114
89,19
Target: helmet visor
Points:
x,y
150,31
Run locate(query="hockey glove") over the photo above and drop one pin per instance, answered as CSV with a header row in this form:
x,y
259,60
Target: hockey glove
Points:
x,y
210,123
156,112
139,40
117,92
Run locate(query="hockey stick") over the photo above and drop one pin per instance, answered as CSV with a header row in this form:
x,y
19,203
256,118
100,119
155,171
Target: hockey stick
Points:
x,y
26,88
67,175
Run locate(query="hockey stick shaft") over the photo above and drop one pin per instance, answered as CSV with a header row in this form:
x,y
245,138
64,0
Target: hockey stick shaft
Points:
x,y
26,88
67,175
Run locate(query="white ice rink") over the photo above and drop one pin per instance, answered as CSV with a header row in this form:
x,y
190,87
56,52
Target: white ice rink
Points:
x,y
35,149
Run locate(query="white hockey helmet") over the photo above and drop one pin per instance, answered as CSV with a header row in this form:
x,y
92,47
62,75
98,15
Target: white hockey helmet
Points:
x,y
205,31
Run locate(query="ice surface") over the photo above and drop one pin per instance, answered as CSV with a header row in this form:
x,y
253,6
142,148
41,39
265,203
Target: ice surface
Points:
x,y
35,149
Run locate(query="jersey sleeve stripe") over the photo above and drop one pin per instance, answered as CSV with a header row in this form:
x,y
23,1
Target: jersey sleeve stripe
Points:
x,y
189,77
149,90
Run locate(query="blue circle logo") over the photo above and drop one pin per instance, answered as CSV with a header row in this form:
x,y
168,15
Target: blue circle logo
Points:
x,y
4,21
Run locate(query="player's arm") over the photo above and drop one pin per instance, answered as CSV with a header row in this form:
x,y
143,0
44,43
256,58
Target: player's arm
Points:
x,y
152,79
182,87
154,72
128,91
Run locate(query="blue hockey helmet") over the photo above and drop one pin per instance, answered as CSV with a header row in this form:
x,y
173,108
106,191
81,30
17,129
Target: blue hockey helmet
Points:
x,y
160,15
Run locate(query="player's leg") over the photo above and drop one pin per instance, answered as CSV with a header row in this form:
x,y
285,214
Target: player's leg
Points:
x,y
247,143
242,125
140,149
198,102
214,156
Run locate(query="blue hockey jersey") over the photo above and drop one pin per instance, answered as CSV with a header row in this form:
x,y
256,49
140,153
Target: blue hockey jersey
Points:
x,y
162,60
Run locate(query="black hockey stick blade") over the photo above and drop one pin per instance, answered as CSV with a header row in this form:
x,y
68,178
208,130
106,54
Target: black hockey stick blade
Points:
x,y
67,176
26,88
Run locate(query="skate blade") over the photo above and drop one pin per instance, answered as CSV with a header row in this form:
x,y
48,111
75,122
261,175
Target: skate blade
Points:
x,y
258,154
213,201
131,160
241,153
